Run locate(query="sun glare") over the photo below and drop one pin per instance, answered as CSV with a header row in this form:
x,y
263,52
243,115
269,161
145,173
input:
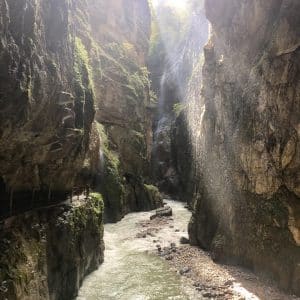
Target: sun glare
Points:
x,y
179,4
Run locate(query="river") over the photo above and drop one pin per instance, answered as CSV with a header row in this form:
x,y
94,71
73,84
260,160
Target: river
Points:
x,y
131,271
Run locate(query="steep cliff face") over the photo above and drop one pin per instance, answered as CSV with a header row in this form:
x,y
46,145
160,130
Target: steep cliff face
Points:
x,y
247,138
75,111
46,254
176,46
45,117
60,63
116,45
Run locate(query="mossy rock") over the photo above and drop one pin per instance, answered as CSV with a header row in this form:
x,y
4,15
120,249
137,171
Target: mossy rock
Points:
x,y
149,197
154,195
111,184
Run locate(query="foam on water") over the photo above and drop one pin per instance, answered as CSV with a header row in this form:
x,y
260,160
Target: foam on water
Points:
x,y
130,272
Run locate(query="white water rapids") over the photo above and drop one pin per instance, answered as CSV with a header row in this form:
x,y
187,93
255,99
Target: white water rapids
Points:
x,y
130,270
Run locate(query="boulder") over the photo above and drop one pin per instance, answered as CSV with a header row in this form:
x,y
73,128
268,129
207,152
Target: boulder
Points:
x,y
165,211
184,240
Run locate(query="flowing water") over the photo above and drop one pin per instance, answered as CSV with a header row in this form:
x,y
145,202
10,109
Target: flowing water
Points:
x,y
131,271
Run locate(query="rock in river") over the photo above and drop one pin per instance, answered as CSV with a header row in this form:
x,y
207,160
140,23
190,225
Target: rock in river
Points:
x,y
165,211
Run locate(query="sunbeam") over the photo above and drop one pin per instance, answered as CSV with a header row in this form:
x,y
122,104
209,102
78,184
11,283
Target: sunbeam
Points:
x,y
149,140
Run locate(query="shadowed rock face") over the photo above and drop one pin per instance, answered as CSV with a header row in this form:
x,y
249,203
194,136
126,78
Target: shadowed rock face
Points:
x,y
116,44
75,110
171,67
46,254
45,118
247,206
60,63
123,92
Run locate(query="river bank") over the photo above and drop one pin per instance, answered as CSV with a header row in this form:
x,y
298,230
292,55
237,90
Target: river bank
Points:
x,y
144,260
131,270
209,279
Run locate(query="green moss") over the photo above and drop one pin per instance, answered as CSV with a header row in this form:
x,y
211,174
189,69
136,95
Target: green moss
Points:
x,y
78,218
20,256
112,184
83,69
154,198
84,86
74,220
137,142
151,188
81,51
178,108
153,97
110,158
120,65
97,203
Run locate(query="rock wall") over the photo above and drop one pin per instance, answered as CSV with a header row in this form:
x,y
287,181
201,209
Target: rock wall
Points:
x,y
114,37
175,51
246,138
61,63
45,254
75,112
45,116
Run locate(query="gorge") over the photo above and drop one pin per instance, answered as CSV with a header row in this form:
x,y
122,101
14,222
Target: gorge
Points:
x,y
108,108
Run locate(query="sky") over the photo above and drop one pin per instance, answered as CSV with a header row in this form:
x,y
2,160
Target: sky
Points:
x,y
179,4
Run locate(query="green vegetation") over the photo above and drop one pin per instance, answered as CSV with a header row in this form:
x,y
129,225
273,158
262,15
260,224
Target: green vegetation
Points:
x,y
137,142
112,188
153,98
178,108
27,248
84,86
79,216
22,253
110,158
138,84
97,203
153,195
151,188
81,52
120,66
83,69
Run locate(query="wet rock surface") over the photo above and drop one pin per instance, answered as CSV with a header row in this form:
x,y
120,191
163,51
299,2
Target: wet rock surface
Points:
x,y
170,68
165,211
46,254
123,101
44,114
75,103
184,240
246,140
76,108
